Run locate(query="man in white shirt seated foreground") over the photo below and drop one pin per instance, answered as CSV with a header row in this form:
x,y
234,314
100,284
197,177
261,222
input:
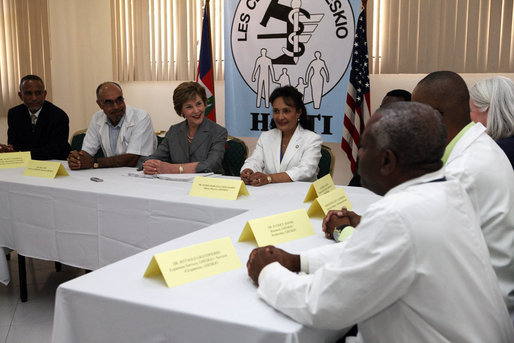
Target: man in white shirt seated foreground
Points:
x,y
123,133
416,268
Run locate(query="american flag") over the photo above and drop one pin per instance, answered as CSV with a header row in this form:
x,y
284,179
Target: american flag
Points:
x,y
205,74
357,99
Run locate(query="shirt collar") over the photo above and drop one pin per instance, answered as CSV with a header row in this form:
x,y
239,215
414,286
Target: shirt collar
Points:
x,y
117,126
437,175
451,145
37,112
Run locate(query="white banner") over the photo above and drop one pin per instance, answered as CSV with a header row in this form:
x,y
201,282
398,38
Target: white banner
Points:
x,y
271,43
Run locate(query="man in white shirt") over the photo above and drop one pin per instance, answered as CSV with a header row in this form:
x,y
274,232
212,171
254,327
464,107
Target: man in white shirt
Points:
x,y
480,166
416,268
122,132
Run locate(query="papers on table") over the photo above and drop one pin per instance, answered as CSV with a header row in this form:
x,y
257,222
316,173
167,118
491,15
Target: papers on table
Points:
x,y
169,177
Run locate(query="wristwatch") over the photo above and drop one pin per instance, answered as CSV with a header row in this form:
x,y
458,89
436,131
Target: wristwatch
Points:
x,y
95,164
180,169
342,232
269,179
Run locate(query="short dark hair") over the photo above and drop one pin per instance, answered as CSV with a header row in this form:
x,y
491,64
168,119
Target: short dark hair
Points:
x,y
414,132
103,84
400,93
32,78
185,92
292,97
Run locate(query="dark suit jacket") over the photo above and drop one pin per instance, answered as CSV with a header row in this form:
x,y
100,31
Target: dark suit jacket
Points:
x,y
48,140
208,146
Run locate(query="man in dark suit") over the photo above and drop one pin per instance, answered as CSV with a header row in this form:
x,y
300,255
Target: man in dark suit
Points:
x,y
37,125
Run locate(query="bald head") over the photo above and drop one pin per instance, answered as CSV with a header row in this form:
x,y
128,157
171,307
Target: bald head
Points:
x,y
403,140
446,92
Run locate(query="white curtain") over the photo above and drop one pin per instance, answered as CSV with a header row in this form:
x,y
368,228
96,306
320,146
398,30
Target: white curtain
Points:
x,y
421,36
24,47
160,39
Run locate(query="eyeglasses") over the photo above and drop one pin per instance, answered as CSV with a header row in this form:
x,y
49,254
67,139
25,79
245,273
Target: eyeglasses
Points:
x,y
118,101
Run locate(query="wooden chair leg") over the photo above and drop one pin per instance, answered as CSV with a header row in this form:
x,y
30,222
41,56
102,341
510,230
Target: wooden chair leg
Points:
x,y
22,273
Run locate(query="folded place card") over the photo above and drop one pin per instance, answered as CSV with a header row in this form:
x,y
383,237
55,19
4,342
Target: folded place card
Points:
x,y
45,169
14,159
278,228
220,188
320,187
334,200
195,262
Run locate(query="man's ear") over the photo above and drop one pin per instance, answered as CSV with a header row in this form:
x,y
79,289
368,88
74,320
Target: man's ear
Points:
x,y
388,162
99,104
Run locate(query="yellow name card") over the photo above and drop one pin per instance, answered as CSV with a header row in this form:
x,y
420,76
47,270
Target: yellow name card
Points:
x,y
195,262
320,187
14,159
278,228
45,169
334,200
213,187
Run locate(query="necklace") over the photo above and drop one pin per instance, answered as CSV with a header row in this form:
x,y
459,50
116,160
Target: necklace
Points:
x,y
190,139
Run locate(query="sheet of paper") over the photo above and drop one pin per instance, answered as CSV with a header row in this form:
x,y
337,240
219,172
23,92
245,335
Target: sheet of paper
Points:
x,y
14,159
220,188
45,169
333,200
320,187
195,262
278,228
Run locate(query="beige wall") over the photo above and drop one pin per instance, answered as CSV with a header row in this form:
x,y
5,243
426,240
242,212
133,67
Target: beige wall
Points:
x,y
81,58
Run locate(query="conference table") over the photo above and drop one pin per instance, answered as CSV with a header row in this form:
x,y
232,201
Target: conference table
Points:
x,y
114,228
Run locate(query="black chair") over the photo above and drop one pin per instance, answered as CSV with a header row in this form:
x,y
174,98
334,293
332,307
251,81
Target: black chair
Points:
x,y
160,136
236,153
78,138
326,163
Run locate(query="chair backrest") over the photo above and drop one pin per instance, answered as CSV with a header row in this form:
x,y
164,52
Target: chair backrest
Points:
x,y
78,138
160,136
326,162
236,152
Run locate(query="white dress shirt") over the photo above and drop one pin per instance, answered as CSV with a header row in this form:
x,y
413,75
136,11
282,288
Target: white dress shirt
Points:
x,y
416,269
484,171
300,160
136,136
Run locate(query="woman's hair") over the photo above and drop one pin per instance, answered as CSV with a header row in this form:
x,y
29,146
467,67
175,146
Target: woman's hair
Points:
x,y
292,97
496,95
185,92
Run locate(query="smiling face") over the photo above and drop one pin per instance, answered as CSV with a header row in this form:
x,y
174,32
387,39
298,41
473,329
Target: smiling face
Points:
x,y
110,99
33,95
285,116
194,110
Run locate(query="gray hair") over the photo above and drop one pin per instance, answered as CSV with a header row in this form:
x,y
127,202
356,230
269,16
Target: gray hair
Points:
x,y
103,84
414,132
496,95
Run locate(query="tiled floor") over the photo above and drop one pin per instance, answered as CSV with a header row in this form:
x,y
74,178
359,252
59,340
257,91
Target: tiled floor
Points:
x,y
31,321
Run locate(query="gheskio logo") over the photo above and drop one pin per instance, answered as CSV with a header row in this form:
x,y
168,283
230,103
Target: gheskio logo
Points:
x,y
306,44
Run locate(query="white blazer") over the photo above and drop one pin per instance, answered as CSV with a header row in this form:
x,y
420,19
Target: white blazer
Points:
x,y
484,171
137,135
300,160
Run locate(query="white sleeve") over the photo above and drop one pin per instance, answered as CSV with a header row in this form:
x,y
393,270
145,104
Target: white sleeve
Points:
x,y
307,169
92,140
354,282
143,140
256,161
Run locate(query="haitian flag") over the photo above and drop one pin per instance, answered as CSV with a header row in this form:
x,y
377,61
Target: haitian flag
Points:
x,y
204,75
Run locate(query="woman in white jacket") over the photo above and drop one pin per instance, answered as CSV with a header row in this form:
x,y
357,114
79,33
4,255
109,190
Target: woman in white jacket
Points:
x,y
289,151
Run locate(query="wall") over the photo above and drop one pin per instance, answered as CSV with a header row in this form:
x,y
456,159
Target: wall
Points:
x,y
81,58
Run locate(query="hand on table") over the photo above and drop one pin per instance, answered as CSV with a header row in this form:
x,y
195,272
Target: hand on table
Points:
x,y
6,148
261,257
80,160
335,218
152,167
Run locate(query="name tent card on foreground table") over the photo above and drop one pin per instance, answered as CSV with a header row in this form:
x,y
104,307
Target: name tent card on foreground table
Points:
x,y
195,262
333,200
14,159
220,188
320,187
45,169
278,228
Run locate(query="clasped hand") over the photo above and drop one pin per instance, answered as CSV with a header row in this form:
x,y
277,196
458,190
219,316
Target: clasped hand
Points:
x,y
255,179
336,218
261,257
80,160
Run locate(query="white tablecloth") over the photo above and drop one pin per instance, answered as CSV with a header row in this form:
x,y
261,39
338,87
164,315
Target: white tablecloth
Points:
x,y
90,224
116,304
